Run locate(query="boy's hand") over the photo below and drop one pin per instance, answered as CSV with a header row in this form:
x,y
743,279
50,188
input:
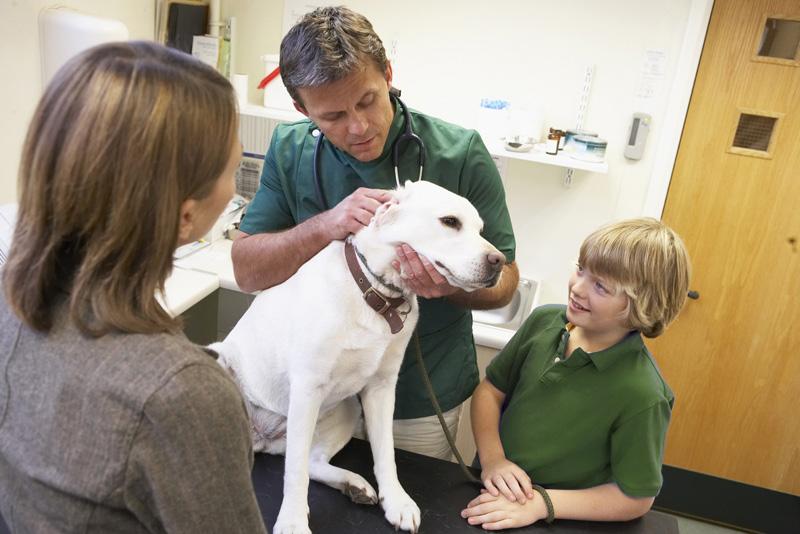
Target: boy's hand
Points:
x,y
506,477
497,512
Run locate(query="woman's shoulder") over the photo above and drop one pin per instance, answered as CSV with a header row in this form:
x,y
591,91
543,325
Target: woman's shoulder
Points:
x,y
8,320
133,367
193,378
158,373
159,357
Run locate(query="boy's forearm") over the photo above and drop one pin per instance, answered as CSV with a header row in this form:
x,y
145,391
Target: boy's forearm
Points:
x,y
600,503
485,419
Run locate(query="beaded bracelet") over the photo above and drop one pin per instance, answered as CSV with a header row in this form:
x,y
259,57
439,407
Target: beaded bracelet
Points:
x,y
551,513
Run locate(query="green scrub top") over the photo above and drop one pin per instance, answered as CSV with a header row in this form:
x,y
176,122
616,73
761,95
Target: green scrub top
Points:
x,y
585,420
456,159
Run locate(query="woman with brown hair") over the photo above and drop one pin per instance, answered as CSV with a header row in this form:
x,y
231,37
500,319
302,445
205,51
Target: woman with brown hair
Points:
x,y
110,419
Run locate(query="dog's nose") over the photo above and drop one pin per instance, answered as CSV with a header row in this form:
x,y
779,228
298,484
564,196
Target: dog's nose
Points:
x,y
496,259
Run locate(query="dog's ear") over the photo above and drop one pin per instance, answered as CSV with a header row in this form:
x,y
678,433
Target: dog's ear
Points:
x,y
387,212
401,192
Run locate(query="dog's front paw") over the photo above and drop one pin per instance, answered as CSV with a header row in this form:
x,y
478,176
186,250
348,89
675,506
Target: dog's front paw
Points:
x,y
401,511
359,490
291,524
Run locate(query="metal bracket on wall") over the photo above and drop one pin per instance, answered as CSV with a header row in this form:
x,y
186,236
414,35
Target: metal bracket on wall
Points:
x,y
583,103
568,177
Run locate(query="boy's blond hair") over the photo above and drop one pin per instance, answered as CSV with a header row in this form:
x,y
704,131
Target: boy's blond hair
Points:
x,y
648,261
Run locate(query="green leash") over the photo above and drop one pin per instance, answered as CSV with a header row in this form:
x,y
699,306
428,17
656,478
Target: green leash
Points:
x,y
435,402
467,473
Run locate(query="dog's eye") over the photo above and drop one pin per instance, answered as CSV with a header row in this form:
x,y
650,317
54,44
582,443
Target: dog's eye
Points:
x,y
451,222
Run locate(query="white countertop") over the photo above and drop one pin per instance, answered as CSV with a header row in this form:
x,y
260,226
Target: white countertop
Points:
x,y
185,288
214,259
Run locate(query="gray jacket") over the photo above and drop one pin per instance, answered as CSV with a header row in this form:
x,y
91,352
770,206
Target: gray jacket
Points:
x,y
125,433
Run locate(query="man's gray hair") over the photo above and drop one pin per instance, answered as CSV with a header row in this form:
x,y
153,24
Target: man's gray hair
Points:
x,y
326,45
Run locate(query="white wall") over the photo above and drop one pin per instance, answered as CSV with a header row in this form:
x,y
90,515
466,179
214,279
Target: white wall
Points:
x,y
19,61
535,53
448,55
258,25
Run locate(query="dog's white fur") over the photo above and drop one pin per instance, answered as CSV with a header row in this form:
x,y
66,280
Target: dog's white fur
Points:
x,y
305,348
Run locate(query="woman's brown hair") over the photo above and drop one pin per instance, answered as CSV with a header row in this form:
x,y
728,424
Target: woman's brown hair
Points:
x,y
123,134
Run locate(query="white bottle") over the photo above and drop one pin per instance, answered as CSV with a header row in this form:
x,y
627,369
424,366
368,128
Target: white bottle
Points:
x,y
552,144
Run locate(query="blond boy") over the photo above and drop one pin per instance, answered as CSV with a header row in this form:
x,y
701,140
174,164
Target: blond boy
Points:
x,y
575,401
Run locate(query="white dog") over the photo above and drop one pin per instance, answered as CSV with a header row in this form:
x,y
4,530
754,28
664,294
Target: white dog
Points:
x,y
306,348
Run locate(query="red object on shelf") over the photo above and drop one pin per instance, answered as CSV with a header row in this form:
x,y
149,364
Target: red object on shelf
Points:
x,y
269,77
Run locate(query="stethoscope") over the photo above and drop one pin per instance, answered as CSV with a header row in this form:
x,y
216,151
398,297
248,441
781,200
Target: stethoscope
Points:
x,y
408,135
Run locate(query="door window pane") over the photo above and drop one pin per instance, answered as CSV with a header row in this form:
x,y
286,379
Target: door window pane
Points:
x,y
780,39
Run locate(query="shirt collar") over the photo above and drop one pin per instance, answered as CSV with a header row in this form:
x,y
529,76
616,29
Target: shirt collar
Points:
x,y
602,360
632,343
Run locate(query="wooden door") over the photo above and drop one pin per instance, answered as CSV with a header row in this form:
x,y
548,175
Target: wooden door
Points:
x,y
733,356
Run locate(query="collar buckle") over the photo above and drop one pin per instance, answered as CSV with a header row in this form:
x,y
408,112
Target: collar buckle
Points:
x,y
373,291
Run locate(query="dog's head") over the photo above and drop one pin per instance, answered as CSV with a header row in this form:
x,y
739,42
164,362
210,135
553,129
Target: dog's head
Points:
x,y
446,229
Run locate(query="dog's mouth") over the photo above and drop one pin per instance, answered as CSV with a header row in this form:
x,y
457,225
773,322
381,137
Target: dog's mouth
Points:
x,y
489,281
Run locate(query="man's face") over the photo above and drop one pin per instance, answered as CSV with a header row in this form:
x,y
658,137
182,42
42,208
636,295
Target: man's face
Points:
x,y
354,113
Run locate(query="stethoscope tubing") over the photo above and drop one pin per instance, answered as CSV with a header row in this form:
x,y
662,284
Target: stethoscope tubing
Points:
x,y
408,135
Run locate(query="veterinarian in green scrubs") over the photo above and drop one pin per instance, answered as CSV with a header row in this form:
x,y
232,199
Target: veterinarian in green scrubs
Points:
x,y
286,224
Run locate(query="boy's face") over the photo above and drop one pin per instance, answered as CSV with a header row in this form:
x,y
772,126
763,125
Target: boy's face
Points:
x,y
596,304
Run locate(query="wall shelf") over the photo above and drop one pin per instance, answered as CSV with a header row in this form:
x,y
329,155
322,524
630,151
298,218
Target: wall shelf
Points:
x,y
495,147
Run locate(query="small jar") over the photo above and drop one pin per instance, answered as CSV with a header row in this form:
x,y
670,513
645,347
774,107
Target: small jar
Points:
x,y
552,144
561,137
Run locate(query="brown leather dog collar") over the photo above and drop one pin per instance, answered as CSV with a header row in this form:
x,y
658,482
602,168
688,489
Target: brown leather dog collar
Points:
x,y
388,307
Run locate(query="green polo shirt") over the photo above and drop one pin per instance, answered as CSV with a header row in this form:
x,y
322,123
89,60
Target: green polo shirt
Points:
x,y
456,159
586,420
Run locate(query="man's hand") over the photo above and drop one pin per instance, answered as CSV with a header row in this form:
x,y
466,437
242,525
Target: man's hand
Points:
x,y
497,512
420,274
507,478
354,212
